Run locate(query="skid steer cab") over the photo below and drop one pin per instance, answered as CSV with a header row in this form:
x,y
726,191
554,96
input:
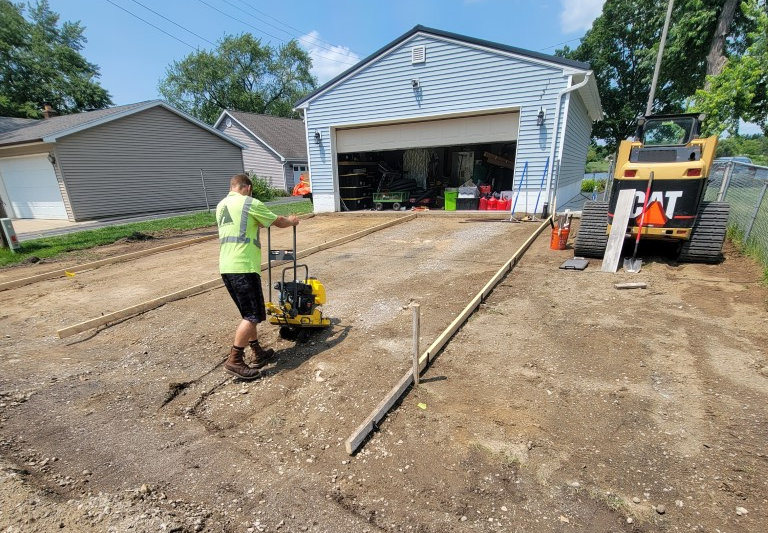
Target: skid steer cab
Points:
x,y
669,154
298,309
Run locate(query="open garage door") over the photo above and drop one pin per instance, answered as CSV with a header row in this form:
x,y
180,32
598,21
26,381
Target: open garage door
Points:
x,y
32,189
500,127
420,164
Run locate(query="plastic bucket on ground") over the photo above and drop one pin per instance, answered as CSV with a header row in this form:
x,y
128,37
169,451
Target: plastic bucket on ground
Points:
x,y
450,200
559,238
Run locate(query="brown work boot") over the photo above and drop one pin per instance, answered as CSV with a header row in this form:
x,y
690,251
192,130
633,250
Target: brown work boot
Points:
x,y
261,356
237,367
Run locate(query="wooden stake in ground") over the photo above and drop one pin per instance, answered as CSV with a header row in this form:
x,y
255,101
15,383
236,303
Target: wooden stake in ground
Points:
x,y
363,430
416,312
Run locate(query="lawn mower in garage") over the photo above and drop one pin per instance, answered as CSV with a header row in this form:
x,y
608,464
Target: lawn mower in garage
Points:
x,y
298,310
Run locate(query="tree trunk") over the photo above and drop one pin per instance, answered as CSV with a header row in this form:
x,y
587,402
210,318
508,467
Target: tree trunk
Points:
x,y
716,57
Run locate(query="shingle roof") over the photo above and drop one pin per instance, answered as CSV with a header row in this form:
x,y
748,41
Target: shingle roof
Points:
x,y
35,130
456,37
287,136
48,130
13,123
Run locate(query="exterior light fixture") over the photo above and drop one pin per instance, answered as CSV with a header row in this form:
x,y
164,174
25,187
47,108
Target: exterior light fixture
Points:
x,y
415,83
318,136
52,158
540,117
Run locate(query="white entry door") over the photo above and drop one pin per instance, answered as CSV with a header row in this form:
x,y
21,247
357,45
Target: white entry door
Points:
x,y
32,189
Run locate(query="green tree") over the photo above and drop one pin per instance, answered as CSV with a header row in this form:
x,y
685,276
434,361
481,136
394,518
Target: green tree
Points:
x,y
740,91
622,45
240,74
40,62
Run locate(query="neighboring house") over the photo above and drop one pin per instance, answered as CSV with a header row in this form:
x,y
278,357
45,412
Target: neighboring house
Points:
x,y
437,103
125,160
275,147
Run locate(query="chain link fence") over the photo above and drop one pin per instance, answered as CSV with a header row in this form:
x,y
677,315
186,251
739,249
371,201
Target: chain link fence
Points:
x,y
744,187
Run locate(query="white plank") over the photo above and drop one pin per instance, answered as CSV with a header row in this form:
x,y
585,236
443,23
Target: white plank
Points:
x,y
618,230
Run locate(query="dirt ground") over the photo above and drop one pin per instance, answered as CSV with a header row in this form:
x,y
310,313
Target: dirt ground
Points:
x,y
562,405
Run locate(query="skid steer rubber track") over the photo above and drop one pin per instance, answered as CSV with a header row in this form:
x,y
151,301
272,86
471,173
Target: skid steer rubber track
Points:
x,y
707,235
592,239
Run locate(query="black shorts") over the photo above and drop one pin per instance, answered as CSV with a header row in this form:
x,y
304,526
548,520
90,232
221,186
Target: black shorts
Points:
x,y
245,290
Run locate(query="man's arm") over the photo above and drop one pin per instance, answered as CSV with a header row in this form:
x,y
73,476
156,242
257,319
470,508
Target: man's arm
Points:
x,y
286,222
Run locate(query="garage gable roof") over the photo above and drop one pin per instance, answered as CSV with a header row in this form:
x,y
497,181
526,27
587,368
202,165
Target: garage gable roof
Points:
x,y
555,61
51,129
284,136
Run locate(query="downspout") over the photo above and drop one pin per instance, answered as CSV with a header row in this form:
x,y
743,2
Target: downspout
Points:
x,y
552,195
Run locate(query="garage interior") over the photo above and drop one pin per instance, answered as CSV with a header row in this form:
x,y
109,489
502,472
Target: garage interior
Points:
x,y
451,163
419,177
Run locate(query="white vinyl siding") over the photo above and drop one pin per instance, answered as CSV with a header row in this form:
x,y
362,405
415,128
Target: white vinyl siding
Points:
x,y
575,146
257,158
142,163
456,79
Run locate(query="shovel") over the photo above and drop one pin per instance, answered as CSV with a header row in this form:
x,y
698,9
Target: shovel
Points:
x,y
634,264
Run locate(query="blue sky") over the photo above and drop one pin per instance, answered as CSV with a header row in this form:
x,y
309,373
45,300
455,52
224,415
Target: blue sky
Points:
x,y
133,55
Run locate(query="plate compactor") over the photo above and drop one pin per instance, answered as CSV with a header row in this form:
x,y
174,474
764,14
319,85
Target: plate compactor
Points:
x,y
298,308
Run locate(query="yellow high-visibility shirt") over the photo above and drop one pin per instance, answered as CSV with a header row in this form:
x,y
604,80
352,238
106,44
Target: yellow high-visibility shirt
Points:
x,y
239,218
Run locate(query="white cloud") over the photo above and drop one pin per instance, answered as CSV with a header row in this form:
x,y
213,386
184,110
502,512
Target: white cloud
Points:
x,y
327,60
577,15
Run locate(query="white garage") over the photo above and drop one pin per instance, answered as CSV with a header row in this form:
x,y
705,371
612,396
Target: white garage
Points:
x,y
30,188
432,111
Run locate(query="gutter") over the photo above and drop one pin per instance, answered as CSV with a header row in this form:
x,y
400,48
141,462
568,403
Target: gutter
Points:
x,y
552,196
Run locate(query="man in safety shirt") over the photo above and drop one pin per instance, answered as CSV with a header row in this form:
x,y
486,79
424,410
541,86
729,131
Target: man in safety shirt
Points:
x,y
239,217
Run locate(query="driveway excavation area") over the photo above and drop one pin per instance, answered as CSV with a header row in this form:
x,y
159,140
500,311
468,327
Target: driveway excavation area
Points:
x,y
563,404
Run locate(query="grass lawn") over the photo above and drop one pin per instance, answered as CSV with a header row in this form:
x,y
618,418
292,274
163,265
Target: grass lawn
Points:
x,y
53,246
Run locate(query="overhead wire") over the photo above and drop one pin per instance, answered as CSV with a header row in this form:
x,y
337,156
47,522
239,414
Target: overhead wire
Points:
x,y
303,34
149,23
263,31
174,23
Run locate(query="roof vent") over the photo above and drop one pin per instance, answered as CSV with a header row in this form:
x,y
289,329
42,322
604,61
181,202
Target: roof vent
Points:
x,y
418,55
228,123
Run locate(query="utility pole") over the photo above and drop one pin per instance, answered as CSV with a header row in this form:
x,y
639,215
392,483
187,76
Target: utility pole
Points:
x,y
649,107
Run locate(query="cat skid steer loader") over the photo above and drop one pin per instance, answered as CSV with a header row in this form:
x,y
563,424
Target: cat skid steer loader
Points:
x,y
667,147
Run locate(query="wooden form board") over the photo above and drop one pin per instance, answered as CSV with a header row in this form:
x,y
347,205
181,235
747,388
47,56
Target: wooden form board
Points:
x,y
110,260
618,230
101,262
212,284
369,424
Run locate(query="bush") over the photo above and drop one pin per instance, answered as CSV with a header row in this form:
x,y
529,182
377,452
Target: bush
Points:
x,y
262,191
588,185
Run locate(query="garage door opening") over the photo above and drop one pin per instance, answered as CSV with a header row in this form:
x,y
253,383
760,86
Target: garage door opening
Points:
x,y
443,163
421,177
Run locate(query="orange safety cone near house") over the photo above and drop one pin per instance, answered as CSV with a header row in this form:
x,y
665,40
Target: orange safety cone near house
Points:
x,y
302,188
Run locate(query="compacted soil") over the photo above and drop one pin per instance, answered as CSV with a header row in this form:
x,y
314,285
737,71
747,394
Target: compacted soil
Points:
x,y
563,404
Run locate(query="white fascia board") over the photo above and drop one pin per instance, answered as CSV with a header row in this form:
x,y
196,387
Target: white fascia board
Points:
x,y
148,105
221,117
257,138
